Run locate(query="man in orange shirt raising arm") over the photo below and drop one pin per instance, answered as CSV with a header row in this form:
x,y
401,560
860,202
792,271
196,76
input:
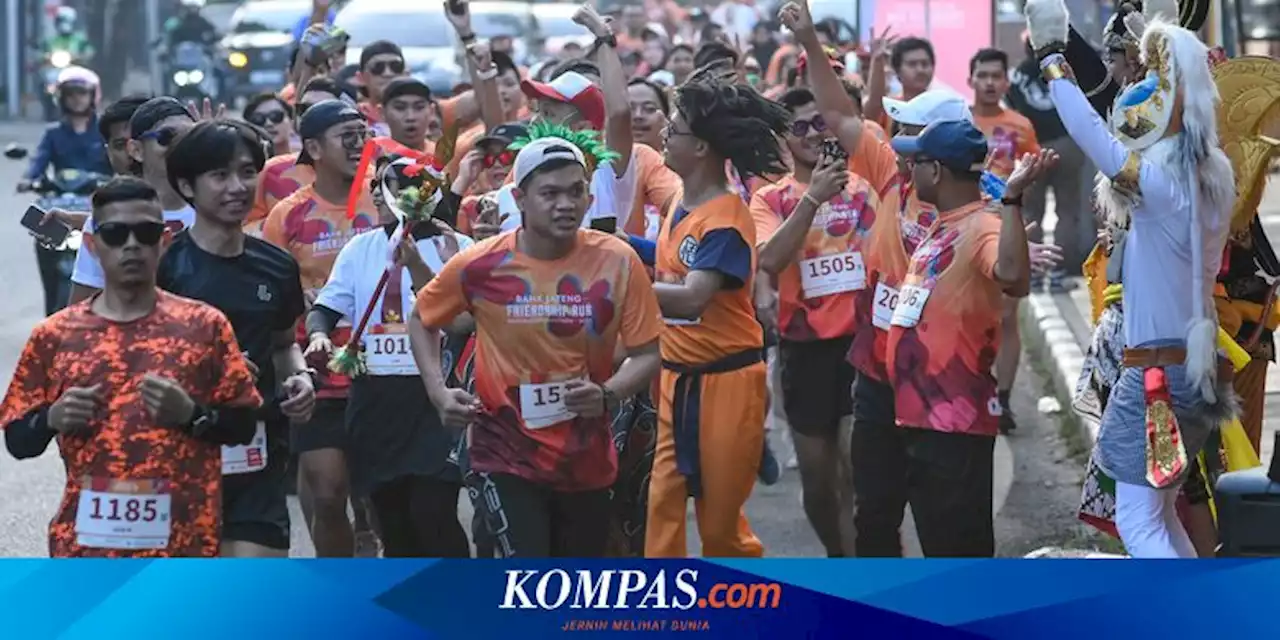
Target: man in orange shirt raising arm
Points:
x,y
712,406
551,303
944,334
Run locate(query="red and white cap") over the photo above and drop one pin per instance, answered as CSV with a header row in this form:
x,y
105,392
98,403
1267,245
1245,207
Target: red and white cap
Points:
x,y
571,88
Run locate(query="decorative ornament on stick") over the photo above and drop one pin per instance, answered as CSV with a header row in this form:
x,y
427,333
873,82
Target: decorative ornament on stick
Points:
x,y
419,179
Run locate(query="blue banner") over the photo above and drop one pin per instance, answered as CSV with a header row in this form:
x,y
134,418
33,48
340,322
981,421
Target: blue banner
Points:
x,y
478,599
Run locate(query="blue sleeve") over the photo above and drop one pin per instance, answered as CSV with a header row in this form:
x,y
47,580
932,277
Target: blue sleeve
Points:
x,y
647,249
724,251
44,155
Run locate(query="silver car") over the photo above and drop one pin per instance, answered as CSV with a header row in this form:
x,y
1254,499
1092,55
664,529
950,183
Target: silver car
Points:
x,y
430,46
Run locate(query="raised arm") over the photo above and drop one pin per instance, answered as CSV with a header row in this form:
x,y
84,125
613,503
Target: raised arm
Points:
x,y
833,101
613,84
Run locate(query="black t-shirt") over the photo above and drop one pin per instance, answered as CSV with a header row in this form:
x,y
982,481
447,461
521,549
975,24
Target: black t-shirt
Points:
x,y
259,291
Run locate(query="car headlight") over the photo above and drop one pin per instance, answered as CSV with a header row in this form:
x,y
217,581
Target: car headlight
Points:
x,y
180,78
238,60
60,59
195,77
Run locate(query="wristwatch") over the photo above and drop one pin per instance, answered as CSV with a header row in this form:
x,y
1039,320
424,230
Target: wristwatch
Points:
x,y
202,418
1012,202
610,400
313,374
611,40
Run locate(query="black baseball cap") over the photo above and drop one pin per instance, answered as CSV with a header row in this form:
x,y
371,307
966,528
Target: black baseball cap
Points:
x,y
378,48
504,134
321,117
153,112
407,86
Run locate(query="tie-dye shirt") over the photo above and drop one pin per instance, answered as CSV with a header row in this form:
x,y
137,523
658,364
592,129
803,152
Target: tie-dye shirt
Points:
x,y
540,324
280,178
142,472
940,368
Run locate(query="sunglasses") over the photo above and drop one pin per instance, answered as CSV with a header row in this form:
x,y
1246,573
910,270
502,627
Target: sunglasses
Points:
x,y
163,137
801,128
261,119
381,67
503,158
116,234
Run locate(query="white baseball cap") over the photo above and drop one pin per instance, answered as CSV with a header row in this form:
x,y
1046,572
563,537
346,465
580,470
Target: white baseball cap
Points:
x,y
571,88
935,105
542,151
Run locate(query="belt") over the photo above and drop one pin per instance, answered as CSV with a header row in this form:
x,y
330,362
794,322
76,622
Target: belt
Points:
x,y
1154,357
686,410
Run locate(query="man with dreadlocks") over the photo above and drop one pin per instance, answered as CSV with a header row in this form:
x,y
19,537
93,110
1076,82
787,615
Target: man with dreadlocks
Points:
x,y
1166,192
712,344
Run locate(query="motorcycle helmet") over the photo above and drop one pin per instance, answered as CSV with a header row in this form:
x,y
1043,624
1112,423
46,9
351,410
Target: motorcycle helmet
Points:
x,y
82,78
64,21
192,6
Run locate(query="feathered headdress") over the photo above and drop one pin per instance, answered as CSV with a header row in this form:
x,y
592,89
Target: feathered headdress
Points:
x,y
593,149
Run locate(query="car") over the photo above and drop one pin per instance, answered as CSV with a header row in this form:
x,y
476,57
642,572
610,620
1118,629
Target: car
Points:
x,y
554,26
430,46
258,45
504,19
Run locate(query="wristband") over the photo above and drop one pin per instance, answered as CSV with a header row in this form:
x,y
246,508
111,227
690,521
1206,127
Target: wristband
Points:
x,y
488,74
611,40
468,38
812,200
1055,67
609,399
1012,202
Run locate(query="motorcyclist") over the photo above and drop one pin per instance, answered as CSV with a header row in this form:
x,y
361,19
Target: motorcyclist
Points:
x,y
67,37
190,26
72,143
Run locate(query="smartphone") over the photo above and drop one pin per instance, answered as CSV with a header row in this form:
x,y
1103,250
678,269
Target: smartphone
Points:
x,y
832,148
52,232
607,225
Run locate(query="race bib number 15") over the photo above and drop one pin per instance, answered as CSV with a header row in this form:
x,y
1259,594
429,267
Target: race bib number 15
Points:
x,y
542,405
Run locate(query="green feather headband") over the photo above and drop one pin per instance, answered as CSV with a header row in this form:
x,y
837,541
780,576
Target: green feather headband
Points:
x,y
593,149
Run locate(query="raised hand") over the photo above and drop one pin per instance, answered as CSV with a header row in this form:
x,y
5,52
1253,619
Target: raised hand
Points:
x,y
1030,168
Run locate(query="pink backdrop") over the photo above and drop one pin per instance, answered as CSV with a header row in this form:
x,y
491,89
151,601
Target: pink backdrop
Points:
x,y
958,28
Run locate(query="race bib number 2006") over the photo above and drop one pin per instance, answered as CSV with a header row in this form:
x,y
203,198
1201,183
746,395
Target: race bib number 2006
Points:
x,y
910,306
123,514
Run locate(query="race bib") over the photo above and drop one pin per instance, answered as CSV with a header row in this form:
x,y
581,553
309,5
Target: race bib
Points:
x,y
831,274
123,514
247,458
883,306
542,405
387,351
910,306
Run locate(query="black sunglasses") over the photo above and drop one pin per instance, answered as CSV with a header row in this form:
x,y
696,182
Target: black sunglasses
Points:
x,y
116,234
380,67
163,137
261,119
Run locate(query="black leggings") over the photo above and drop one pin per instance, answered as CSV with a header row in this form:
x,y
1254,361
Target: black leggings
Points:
x,y
533,521
418,518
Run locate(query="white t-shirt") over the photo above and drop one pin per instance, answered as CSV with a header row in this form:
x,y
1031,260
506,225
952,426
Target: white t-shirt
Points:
x,y
355,275
607,189
88,271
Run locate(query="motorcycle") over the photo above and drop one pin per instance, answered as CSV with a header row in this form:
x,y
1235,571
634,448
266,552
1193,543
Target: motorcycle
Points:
x,y
68,190
191,73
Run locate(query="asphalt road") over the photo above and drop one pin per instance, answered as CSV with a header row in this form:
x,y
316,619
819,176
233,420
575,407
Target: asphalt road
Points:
x,y
30,489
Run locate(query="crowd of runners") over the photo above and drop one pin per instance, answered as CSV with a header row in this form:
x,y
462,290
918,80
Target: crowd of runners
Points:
x,y
583,295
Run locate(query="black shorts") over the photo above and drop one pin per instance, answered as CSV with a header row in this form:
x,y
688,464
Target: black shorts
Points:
x,y
327,429
873,401
529,520
255,506
395,432
817,384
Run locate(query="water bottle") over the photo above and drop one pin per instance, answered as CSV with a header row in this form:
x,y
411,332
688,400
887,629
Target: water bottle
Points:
x,y
992,185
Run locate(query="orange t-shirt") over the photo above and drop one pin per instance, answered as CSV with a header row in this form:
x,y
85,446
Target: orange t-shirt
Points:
x,y
1009,136
946,328
170,476
280,178
728,325
540,324
656,185
313,231
816,291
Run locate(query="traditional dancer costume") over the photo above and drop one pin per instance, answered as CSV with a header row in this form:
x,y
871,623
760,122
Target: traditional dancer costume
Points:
x,y
1166,190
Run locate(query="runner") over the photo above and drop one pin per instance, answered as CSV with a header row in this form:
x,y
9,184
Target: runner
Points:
x,y
313,225
406,105
283,175
399,450
140,388
548,328
380,63
152,129
944,334
711,447
214,165
275,116
113,124
1009,136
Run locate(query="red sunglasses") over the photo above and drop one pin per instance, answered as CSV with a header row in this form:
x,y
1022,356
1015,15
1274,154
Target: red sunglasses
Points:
x,y
504,159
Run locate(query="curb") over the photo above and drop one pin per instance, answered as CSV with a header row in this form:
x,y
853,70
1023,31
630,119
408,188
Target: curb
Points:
x,y
1055,344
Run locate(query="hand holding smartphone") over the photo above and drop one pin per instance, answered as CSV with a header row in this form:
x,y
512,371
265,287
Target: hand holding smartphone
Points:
x,y
51,232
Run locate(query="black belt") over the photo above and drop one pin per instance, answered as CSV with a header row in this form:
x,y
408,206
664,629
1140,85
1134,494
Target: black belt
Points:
x,y
686,410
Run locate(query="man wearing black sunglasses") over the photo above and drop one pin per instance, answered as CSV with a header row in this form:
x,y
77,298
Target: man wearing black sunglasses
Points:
x,y
380,63
141,387
215,165
153,128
